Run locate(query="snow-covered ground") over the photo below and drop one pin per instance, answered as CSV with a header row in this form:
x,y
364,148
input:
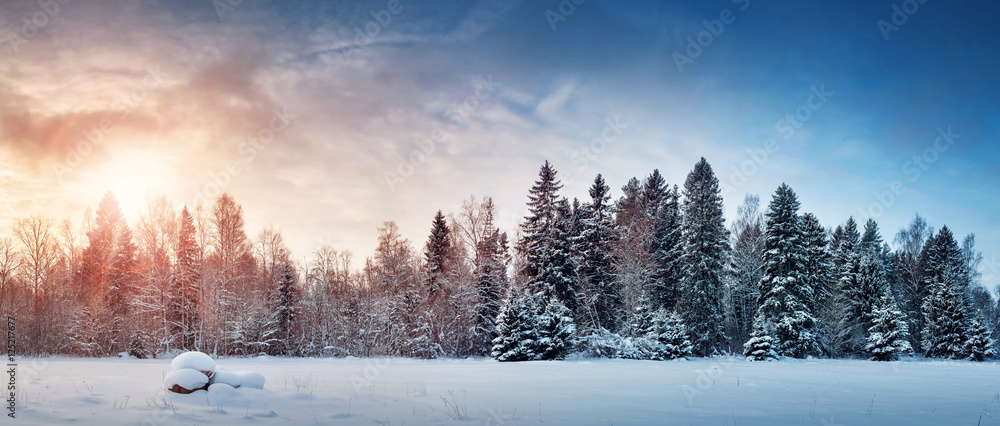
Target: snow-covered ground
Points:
x,y
482,391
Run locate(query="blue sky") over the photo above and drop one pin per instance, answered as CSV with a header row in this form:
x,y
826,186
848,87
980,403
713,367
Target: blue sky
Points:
x,y
355,106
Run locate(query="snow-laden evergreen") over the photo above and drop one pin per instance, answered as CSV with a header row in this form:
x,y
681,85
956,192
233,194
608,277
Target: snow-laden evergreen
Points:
x,y
600,300
517,329
851,327
284,315
979,347
662,206
551,272
786,292
537,227
821,277
186,314
945,324
888,336
705,242
819,274
760,347
438,253
670,336
556,330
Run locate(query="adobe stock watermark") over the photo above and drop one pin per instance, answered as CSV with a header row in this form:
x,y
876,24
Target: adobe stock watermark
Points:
x,y
95,137
913,169
899,17
222,7
562,12
704,380
374,368
249,149
33,24
785,128
11,368
704,39
485,90
585,154
372,29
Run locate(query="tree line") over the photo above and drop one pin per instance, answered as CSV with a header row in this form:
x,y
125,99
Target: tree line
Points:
x,y
656,274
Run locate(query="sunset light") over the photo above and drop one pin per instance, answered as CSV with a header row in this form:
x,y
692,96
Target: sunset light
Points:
x,y
134,176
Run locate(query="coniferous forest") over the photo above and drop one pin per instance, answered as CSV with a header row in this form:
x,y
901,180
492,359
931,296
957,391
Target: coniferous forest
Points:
x,y
657,274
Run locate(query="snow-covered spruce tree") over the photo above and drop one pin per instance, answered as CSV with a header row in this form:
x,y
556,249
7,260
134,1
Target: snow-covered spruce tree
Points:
x,y
786,293
861,300
945,324
945,332
670,336
888,336
760,347
557,267
978,347
438,253
553,290
189,281
285,311
517,329
705,241
819,265
550,267
653,198
666,249
599,296
537,228
863,291
556,330
850,330
822,277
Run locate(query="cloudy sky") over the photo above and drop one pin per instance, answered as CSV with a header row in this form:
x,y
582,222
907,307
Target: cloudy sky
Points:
x,y
325,119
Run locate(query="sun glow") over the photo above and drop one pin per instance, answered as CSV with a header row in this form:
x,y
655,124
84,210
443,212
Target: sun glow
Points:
x,y
135,177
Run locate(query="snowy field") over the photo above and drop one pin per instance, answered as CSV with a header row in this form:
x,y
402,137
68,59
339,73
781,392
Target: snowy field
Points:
x,y
482,391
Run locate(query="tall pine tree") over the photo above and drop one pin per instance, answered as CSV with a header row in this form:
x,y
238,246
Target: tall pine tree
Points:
x,y
705,242
666,249
285,311
538,226
786,288
600,296
188,280
550,267
108,275
945,323
438,254
851,328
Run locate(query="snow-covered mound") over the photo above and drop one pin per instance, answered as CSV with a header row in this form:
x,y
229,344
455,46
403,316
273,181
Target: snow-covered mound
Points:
x,y
224,376
195,361
193,371
221,389
250,379
185,380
